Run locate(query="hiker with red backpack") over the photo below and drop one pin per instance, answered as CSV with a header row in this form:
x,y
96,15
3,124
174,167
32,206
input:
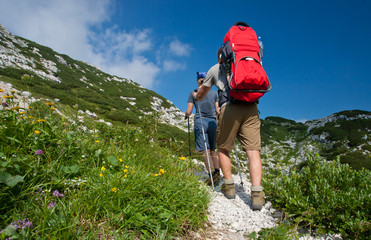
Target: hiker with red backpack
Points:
x,y
241,81
205,128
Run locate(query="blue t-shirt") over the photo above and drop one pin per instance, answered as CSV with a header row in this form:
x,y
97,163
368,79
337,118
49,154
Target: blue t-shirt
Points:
x,y
207,105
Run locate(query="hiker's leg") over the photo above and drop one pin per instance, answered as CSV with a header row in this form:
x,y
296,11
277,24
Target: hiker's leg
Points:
x,y
255,167
227,129
206,162
215,159
211,133
228,187
225,163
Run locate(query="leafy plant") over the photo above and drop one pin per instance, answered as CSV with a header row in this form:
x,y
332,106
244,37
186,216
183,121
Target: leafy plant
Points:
x,y
326,196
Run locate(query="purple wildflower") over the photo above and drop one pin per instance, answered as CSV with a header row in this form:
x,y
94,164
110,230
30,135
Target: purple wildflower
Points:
x,y
20,224
39,152
51,204
57,194
5,104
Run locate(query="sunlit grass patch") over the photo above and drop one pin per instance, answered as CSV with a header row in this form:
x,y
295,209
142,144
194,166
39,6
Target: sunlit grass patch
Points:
x,y
67,181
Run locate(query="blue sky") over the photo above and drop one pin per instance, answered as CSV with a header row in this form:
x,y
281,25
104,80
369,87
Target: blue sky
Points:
x,y
316,53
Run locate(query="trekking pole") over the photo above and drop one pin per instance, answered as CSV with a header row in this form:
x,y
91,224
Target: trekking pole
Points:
x,y
207,152
238,163
189,139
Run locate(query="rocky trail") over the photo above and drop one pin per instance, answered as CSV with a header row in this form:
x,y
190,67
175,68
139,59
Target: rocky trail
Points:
x,y
233,219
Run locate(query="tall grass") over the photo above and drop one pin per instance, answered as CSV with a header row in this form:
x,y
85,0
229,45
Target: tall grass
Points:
x,y
60,179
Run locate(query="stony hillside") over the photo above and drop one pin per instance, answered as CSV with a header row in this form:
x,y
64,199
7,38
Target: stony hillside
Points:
x,y
346,134
57,76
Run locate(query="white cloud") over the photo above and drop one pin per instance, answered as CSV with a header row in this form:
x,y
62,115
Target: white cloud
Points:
x,y
180,49
65,26
61,25
302,120
171,66
139,69
117,43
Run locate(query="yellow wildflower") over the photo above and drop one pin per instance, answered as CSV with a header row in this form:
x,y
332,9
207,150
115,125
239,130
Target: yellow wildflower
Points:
x,y
100,174
114,189
97,141
95,135
125,170
1,90
183,158
41,120
125,175
49,103
16,108
36,131
126,166
22,113
52,108
103,168
162,171
155,174
120,159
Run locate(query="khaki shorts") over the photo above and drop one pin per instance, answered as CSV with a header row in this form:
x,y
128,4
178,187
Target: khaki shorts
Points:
x,y
239,120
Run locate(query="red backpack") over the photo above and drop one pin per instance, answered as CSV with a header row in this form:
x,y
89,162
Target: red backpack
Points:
x,y
240,55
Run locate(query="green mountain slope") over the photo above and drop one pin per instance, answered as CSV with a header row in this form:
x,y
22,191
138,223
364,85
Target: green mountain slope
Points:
x,y
345,134
57,76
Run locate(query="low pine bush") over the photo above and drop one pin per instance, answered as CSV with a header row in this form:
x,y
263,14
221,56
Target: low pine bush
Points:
x,y
325,196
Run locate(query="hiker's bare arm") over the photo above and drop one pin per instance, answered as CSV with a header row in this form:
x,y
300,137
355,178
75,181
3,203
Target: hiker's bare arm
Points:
x,y
217,108
189,109
201,93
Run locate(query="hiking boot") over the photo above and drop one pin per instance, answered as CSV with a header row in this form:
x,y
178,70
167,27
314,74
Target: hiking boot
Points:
x,y
257,200
216,178
229,191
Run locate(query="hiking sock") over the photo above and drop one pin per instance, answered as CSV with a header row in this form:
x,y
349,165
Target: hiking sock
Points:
x,y
256,188
229,181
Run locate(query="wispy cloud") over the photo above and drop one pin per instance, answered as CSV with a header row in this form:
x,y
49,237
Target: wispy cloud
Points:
x,y
171,66
302,120
67,27
61,25
180,49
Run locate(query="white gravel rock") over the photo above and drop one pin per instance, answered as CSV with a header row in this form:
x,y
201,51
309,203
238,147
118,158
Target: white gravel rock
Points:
x,y
234,217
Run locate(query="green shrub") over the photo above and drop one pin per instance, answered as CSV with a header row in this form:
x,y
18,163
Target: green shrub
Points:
x,y
326,196
122,116
357,160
